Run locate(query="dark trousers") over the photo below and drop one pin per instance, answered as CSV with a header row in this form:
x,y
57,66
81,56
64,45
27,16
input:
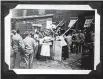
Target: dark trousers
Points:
x,y
74,47
17,59
26,61
12,60
79,48
29,59
38,52
65,53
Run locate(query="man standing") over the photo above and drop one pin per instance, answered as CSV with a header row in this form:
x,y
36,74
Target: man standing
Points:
x,y
69,42
29,49
81,41
75,42
64,47
36,38
17,45
13,53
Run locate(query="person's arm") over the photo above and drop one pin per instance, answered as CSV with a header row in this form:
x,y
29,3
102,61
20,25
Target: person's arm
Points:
x,y
34,44
21,43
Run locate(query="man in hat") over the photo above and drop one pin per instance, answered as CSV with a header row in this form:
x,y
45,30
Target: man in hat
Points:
x,y
81,39
17,45
12,54
29,43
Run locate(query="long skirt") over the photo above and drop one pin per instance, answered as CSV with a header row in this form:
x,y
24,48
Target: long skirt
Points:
x,y
38,51
51,52
45,50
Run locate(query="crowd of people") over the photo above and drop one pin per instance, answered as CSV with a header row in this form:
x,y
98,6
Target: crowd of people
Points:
x,y
40,45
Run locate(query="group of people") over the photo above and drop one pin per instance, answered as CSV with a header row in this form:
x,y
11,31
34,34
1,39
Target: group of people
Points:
x,y
40,45
30,45
78,42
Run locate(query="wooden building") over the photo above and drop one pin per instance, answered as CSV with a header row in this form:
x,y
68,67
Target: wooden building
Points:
x,y
27,23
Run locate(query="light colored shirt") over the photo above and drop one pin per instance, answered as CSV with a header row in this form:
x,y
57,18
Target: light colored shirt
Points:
x,y
29,43
17,37
82,37
41,41
47,40
36,36
69,39
17,40
61,38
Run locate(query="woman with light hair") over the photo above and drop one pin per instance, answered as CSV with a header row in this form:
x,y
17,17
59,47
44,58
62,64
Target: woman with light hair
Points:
x,y
45,49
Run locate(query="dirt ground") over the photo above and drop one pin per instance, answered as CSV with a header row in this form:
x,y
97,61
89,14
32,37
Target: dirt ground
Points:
x,y
70,63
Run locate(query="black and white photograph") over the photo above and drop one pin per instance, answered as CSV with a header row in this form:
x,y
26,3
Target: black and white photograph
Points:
x,y
52,39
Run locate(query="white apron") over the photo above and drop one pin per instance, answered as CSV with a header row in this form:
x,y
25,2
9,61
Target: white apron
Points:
x,y
45,50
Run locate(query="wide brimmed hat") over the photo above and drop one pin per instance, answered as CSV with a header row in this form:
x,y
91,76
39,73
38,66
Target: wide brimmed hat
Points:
x,y
13,31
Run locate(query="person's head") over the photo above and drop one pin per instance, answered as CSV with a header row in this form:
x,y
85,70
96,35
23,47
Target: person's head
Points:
x,y
37,32
79,31
32,34
64,36
18,31
47,33
26,33
13,31
56,34
11,35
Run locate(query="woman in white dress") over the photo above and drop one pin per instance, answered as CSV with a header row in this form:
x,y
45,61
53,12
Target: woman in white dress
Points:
x,y
45,49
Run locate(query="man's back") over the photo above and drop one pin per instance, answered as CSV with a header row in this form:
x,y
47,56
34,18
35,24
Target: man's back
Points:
x,y
16,39
29,42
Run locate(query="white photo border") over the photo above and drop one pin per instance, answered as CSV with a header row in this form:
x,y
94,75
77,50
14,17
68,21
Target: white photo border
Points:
x,y
53,7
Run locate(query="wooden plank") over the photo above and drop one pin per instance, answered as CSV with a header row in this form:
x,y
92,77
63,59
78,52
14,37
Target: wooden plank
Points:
x,y
57,50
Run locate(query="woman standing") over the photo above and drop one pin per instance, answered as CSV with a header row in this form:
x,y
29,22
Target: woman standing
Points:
x,y
45,49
